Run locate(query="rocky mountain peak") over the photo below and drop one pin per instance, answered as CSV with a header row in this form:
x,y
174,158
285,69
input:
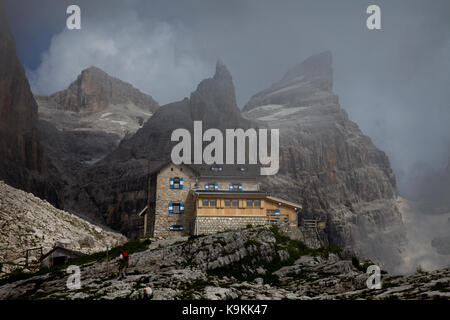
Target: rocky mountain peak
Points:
x,y
214,101
222,72
301,85
328,165
94,90
92,74
93,70
318,66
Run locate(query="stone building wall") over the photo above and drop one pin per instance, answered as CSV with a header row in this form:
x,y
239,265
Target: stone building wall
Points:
x,y
164,195
210,225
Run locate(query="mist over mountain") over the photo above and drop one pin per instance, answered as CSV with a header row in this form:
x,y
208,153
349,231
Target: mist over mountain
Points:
x,y
87,145
328,165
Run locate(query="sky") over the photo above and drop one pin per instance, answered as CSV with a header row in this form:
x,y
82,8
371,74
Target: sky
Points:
x,y
393,82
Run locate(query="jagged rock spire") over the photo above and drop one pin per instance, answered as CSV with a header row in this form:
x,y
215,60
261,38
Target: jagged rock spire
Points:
x,y
222,72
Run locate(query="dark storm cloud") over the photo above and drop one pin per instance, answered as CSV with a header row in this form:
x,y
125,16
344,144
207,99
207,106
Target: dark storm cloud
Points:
x,y
394,83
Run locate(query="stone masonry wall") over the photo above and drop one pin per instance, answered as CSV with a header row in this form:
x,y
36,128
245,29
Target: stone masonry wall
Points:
x,y
211,225
164,195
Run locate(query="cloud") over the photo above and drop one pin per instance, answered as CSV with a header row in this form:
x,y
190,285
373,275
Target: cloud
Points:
x,y
393,82
156,57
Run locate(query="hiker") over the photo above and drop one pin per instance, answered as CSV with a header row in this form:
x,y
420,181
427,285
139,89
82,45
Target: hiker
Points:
x,y
123,264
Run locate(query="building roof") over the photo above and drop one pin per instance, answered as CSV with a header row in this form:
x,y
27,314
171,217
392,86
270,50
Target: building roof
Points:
x,y
72,252
227,171
215,171
159,165
288,203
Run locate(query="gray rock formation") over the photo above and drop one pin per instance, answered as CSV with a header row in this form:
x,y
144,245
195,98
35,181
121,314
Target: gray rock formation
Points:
x,y
96,111
328,165
252,264
94,91
23,162
116,186
28,222
300,86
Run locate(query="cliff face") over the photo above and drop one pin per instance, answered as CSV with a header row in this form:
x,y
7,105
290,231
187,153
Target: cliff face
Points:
x,y
22,160
116,187
300,86
328,165
94,90
95,113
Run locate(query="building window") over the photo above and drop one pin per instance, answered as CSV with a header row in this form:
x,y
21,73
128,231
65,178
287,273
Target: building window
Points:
x,y
227,203
176,228
234,203
257,203
249,203
273,212
209,202
235,187
176,208
176,183
211,186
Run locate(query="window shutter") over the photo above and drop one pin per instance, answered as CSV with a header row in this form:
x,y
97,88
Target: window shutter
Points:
x,y
181,183
171,183
176,228
231,187
181,207
170,208
240,187
216,187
